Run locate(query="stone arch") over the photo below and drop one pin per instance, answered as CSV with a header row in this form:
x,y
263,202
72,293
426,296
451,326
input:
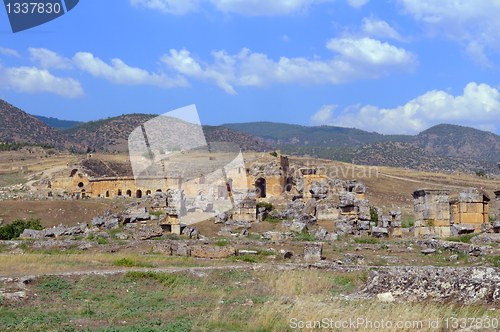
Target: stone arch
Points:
x,y
138,193
119,192
73,172
148,192
260,186
158,190
129,193
80,184
107,193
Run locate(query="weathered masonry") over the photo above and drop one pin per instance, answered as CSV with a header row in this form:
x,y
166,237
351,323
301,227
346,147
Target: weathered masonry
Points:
x,y
437,213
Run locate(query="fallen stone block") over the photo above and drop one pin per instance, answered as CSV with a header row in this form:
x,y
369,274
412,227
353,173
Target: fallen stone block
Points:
x,y
163,247
183,250
380,232
247,252
31,234
428,251
313,251
460,229
147,232
209,251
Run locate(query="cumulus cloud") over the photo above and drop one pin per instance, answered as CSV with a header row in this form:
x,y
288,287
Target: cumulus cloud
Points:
x,y
48,59
471,21
375,27
9,52
478,106
34,80
243,7
120,73
355,59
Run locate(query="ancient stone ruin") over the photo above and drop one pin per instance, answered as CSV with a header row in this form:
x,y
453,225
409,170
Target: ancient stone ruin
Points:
x,y
437,214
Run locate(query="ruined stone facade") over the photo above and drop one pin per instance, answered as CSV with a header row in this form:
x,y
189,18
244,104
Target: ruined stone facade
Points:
x,y
436,213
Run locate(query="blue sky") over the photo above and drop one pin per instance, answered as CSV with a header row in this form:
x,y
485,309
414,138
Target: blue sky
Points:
x,y
394,67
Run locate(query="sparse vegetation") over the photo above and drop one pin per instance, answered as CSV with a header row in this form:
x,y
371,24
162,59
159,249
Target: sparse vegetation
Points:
x,y
17,227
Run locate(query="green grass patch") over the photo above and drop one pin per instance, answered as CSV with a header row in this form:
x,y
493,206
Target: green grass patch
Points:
x,y
463,238
367,240
130,263
156,213
221,243
304,236
53,284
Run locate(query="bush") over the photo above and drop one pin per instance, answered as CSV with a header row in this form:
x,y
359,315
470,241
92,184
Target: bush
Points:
x,y
221,243
268,206
271,219
149,154
17,227
374,215
274,154
480,173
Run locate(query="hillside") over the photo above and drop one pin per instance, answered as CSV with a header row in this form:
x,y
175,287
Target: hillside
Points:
x,y
56,123
18,126
459,141
323,136
393,154
245,141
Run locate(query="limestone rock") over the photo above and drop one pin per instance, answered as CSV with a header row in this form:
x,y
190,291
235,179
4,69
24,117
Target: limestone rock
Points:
x,y
147,232
428,251
307,219
31,234
163,247
209,251
313,251
380,232
459,229
183,250
385,297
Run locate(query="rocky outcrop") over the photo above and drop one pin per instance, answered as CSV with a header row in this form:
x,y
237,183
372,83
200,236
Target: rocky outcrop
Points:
x,y
467,285
209,251
147,232
455,247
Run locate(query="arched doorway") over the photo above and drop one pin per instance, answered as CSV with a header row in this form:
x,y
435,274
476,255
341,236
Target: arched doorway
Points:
x,y
148,192
107,193
83,193
289,184
119,192
229,185
260,186
129,193
138,193
158,190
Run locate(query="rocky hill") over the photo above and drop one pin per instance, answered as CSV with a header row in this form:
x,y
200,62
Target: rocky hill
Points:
x,y
18,126
459,141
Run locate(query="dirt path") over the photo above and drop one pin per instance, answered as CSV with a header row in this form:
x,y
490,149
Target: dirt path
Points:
x,y
46,174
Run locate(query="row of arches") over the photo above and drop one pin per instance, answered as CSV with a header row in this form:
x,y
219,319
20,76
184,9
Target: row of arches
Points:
x,y
138,193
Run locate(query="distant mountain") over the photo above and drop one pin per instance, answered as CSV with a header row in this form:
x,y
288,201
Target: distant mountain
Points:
x,y
245,141
459,141
56,123
323,136
394,154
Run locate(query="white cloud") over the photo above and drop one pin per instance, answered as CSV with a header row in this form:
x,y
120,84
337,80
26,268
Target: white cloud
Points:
x,y
8,51
120,73
374,27
49,59
476,53
479,107
243,7
473,21
285,38
176,7
357,3
324,115
355,59
34,80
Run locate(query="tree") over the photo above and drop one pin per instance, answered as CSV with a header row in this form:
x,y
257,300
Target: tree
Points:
x,y
149,154
480,173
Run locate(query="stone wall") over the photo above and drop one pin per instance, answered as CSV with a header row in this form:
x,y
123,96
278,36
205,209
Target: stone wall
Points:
x,y
432,211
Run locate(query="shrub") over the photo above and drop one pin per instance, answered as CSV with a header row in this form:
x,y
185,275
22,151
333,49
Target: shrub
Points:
x,y
495,261
102,240
274,154
149,154
374,215
304,236
17,227
268,206
221,243
480,173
